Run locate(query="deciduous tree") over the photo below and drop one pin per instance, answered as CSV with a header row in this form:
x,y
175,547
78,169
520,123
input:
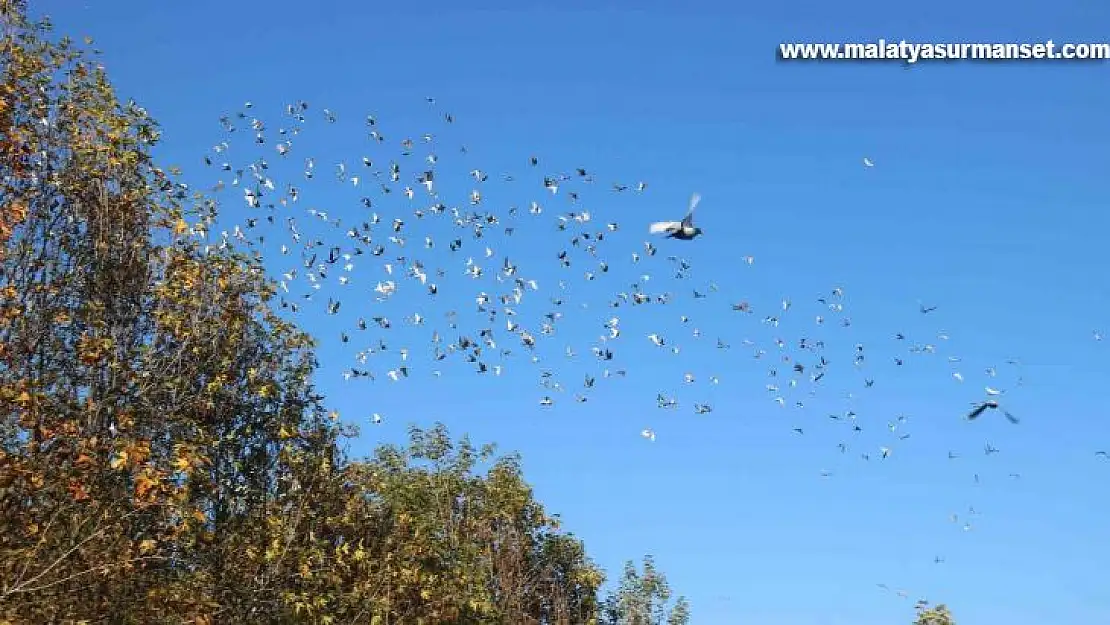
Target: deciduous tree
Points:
x,y
150,401
643,597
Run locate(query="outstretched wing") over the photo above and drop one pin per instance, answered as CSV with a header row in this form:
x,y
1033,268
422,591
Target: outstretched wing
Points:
x,y
688,220
979,409
660,227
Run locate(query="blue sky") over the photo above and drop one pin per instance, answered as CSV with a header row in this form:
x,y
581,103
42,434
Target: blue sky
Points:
x,y
987,200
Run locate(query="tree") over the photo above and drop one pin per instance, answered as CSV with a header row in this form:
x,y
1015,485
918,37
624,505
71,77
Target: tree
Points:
x,y
938,615
164,455
150,401
446,543
642,598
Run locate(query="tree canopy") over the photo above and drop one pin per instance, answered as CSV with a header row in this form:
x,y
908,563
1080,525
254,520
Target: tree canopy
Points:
x,y
938,615
644,598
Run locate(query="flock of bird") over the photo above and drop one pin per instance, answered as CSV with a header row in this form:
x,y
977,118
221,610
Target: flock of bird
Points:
x,y
456,251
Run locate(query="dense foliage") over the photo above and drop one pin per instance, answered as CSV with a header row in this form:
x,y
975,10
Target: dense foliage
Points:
x,y
938,615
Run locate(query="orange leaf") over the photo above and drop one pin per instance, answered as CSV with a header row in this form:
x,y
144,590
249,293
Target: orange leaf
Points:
x,y
77,491
143,485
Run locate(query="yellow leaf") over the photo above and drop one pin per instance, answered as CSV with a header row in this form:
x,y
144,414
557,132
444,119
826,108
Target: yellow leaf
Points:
x,y
181,464
118,460
180,227
146,546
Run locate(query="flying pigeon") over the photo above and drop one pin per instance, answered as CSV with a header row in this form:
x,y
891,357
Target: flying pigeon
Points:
x,y
992,404
683,230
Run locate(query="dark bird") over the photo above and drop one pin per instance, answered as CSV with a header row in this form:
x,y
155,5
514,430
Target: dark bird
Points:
x,y
683,230
993,405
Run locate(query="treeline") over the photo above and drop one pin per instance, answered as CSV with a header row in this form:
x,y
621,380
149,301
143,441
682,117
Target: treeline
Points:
x,y
164,457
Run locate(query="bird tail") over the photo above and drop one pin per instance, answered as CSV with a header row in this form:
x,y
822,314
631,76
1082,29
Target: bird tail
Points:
x,y
660,227
694,200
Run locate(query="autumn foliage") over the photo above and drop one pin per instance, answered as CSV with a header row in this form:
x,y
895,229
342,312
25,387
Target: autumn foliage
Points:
x,y
164,457
938,615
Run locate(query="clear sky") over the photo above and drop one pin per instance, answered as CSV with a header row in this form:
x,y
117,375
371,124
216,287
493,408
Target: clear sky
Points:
x,y
987,199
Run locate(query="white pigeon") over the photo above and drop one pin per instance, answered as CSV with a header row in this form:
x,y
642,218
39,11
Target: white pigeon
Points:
x,y
683,230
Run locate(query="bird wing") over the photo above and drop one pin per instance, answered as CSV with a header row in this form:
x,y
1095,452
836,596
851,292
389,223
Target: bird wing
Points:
x,y
978,411
688,220
1011,418
664,226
